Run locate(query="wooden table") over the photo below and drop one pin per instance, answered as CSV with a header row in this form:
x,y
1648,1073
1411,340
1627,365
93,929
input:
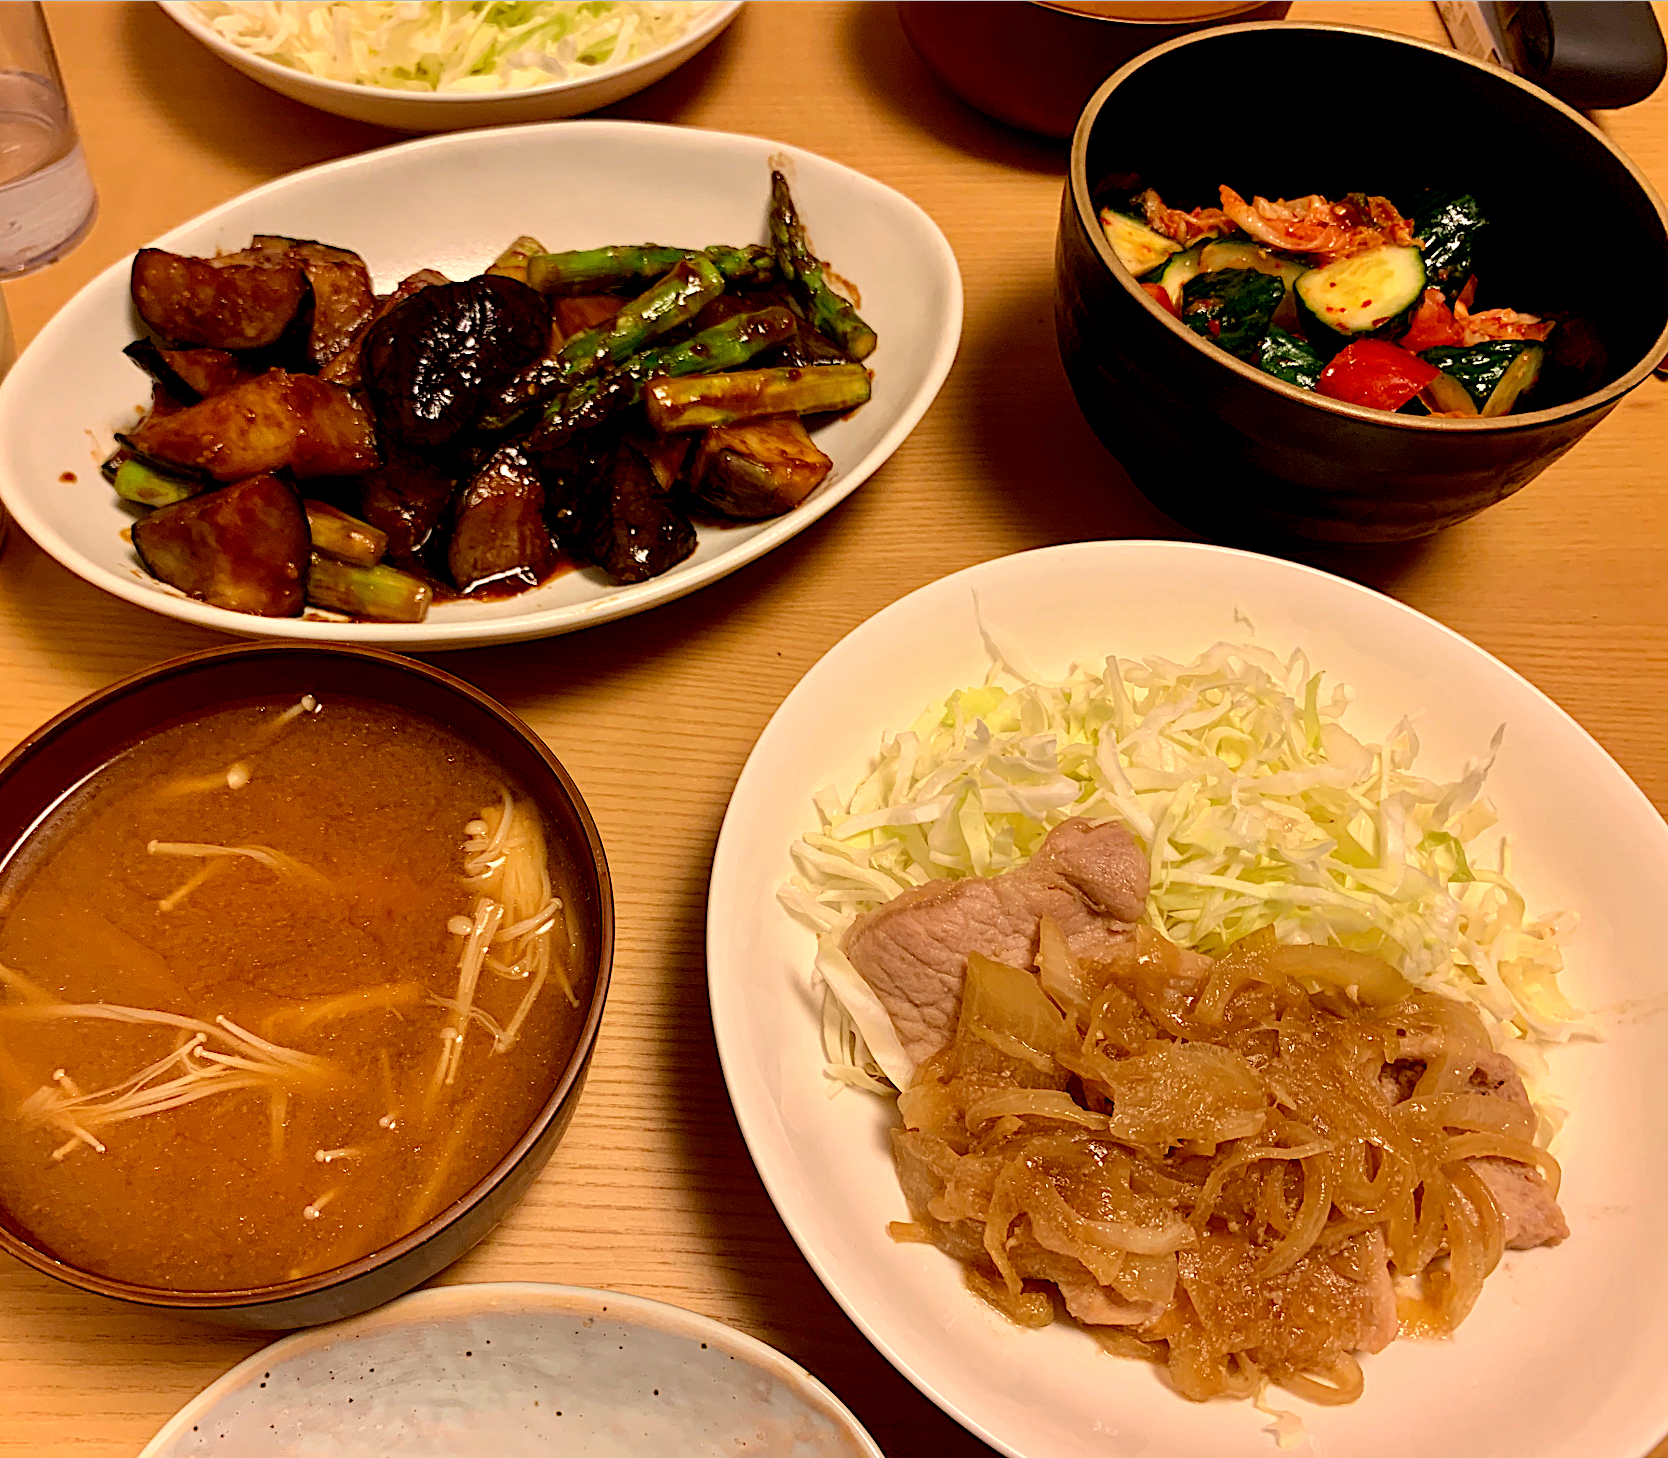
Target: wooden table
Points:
x,y
653,1192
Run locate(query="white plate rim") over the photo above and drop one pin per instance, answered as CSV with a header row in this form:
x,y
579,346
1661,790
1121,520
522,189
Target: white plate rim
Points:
x,y
183,13
450,634
727,987
536,1297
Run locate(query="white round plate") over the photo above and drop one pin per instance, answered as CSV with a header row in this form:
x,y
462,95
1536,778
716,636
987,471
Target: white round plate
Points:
x,y
432,111
1566,1352
516,1370
454,202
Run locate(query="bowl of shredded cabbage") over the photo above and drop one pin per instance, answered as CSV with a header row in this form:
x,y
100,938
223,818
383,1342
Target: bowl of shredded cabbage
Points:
x,y
436,65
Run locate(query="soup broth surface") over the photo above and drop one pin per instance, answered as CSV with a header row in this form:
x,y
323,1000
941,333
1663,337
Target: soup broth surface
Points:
x,y
232,972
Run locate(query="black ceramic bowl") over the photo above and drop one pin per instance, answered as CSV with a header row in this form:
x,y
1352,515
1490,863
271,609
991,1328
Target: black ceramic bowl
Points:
x,y
1285,110
59,755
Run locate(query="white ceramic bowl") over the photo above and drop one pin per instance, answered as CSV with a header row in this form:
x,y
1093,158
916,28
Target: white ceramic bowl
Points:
x,y
517,1370
1566,1349
417,111
453,202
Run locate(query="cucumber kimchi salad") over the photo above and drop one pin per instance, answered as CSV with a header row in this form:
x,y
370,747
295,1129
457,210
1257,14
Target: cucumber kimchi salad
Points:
x,y
1350,299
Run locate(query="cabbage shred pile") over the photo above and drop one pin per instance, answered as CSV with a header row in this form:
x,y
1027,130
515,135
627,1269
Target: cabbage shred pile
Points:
x,y
426,45
1255,805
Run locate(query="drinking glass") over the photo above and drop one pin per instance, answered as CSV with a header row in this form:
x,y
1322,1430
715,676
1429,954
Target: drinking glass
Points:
x,y
46,195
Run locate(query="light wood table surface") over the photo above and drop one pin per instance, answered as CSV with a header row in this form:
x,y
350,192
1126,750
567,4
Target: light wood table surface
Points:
x,y
653,1192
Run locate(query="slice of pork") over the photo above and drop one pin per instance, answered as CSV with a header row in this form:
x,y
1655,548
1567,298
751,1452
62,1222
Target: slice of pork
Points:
x,y
1528,1209
1091,879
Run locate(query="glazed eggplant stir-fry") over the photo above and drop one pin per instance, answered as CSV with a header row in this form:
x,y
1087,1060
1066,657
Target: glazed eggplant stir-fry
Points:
x,y
1350,299
310,444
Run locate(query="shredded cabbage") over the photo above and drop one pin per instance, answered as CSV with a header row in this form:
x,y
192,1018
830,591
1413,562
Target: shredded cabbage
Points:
x,y
1256,808
422,45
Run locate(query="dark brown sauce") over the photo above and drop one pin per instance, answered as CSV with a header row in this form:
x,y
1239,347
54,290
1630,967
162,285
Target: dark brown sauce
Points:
x,y
68,478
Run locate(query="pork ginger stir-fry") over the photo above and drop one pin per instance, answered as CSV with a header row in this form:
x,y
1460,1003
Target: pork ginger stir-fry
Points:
x,y
311,444
1348,298
1251,1168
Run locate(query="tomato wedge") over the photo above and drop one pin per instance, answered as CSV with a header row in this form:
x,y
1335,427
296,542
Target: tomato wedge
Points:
x,y
1376,373
1161,296
1433,324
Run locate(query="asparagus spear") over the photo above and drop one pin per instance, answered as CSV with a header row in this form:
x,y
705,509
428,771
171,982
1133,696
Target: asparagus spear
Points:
x,y
383,594
807,276
724,346
600,270
513,261
137,481
689,287
344,537
707,400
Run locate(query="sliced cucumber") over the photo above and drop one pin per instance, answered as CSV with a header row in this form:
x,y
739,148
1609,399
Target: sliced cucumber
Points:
x,y
1232,309
1491,377
1372,291
1449,227
1228,253
1448,395
1289,359
1519,378
1138,247
1180,271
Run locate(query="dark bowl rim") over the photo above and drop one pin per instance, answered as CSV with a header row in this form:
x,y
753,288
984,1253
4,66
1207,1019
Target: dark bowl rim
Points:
x,y
1158,21
187,1302
1077,187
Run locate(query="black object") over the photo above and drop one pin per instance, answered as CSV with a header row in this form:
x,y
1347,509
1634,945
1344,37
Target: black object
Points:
x,y
1590,54
1236,453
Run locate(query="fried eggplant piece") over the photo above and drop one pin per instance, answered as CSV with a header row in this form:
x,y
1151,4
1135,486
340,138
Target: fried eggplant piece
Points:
x,y
216,303
628,527
758,469
665,455
206,371
344,369
343,300
499,539
186,375
273,421
408,499
244,548
433,364
576,314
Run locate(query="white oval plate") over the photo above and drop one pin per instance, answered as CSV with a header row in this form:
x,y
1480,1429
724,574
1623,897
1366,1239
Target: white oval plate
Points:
x,y
453,202
516,1370
1566,1352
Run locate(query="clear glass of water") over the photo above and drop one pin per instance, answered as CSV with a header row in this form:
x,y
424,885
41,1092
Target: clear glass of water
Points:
x,y
47,201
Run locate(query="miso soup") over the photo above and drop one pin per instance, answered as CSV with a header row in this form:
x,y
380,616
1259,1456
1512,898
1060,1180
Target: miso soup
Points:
x,y
276,985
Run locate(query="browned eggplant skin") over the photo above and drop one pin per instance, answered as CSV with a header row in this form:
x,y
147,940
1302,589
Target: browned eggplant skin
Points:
x,y
345,368
274,421
244,548
628,527
216,304
757,469
499,539
406,498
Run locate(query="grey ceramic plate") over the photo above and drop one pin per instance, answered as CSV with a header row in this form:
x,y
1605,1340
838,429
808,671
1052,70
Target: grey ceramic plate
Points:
x,y
515,1370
